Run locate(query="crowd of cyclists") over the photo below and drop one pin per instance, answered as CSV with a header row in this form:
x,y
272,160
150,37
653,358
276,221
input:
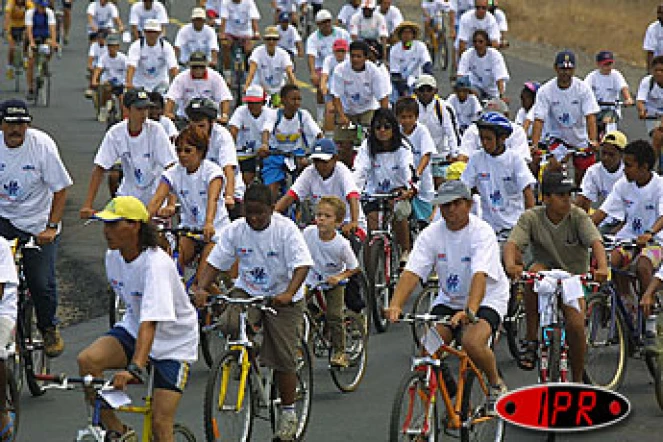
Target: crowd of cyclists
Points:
x,y
551,181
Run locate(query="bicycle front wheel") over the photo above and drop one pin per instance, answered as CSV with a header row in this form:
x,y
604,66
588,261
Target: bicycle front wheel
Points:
x,y
654,361
377,281
554,355
414,412
212,341
183,434
476,425
422,305
515,324
32,348
607,345
224,420
347,379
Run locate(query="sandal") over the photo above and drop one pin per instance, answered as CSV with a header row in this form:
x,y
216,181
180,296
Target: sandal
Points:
x,y
7,433
529,355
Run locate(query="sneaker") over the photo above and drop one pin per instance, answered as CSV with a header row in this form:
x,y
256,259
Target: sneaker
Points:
x,y
10,72
287,426
103,114
30,96
339,359
53,343
129,436
89,93
494,393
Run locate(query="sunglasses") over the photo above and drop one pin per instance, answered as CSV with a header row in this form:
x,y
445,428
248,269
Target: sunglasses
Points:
x,y
383,126
186,150
271,39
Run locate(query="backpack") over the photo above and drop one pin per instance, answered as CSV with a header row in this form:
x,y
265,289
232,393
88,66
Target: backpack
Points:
x,y
300,117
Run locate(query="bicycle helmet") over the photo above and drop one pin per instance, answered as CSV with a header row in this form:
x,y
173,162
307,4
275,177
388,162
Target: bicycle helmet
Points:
x,y
532,86
496,122
202,106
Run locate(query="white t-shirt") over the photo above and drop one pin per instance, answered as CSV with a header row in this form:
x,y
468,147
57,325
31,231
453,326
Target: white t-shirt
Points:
x,y
409,62
329,257
310,185
184,88
393,17
502,23
346,13
103,16
444,134
368,28
168,126
467,111
517,141
222,152
385,172
597,183
484,71
606,87
271,72
239,16
299,132
359,91
267,258
639,207
189,41
192,192
469,23
433,6
320,46
456,256
152,290
564,111
114,68
96,51
289,38
422,144
152,63
8,277
500,181
329,65
139,15
652,94
29,176
249,134
143,157
654,38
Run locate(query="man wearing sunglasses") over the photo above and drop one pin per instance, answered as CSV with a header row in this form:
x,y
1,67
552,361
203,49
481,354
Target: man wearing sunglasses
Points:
x,y
474,19
196,36
269,66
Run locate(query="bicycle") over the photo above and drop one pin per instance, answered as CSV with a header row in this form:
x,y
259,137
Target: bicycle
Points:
x,y
414,414
238,60
382,259
13,391
346,379
439,45
42,75
237,389
94,431
18,60
306,21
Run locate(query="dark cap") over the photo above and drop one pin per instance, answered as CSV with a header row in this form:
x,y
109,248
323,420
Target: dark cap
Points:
x,y
451,191
557,183
324,149
113,39
463,82
198,58
565,59
15,111
138,98
605,57
284,17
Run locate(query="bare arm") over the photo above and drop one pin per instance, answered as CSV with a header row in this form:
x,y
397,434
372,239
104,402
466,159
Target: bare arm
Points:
x,y
592,131
146,332
169,109
536,132
283,203
598,216
291,75
229,190
95,180
406,284
157,200
583,202
298,277
528,195
131,71
253,67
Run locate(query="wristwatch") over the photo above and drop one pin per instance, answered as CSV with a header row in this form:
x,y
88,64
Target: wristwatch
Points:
x,y
471,316
137,372
52,226
650,232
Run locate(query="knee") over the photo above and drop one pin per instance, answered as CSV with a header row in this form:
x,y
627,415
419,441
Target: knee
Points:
x,y
162,426
644,266
88,363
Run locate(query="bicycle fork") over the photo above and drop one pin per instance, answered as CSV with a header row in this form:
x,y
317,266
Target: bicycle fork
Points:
x,y
545,346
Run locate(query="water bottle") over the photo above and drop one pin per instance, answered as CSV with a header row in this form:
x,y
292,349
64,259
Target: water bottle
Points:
x,y
651,333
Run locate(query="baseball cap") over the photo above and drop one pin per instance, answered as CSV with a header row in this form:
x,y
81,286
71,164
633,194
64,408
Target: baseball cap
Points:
x,y
198,58
368,4
113,39
324,150
323,15
451,191
123,207
463,82
605,57
152,25
496,105
198,13
138,98
43,2
556,183
616,138
425,80
271,32
15,111
254,94
341,43
565,59
284,16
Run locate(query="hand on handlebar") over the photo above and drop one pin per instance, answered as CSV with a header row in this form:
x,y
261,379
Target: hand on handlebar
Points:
x,y
643,239
86,212
283,299
121,379
601,274
393,313
514,271
166,211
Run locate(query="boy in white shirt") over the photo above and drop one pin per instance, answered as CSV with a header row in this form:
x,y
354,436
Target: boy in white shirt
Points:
x,y
333,262
467,105
109,73
289,38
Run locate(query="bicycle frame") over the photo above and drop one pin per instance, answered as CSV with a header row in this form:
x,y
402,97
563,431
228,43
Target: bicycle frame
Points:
x,y
635,330
384,233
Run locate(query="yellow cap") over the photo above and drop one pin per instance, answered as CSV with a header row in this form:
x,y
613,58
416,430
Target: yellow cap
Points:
x,y
271,32
455,170
616,138
123,207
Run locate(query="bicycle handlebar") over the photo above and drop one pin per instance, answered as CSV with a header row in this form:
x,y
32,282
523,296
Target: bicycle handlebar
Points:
x,y
260,302
425,317
377,196
530,277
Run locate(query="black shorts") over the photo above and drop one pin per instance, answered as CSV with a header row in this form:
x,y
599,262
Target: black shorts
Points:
x,y
249,165
485,313
18,34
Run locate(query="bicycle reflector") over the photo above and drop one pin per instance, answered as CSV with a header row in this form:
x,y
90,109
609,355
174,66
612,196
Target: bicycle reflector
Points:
x,y
563,407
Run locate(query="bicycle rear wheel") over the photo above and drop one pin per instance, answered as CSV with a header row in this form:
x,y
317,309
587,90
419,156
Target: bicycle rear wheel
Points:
x,y
221,418
554,355
607,353
515,324
476,425
378,287
182,434
414,412
34,357
442,54
347,379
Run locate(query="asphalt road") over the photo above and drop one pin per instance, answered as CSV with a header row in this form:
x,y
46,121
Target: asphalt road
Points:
x,y
363,415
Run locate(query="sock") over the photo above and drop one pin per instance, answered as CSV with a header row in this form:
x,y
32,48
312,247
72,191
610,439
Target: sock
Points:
x,y
320,112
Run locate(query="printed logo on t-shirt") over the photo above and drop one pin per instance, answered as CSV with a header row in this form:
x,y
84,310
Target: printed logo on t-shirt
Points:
x,y
483,176
136,294
442,257
2,167
272,254
636,225
649,207
496,198
627,203
385,185
465,259
29,167
12,189
138,174
241,251
453,283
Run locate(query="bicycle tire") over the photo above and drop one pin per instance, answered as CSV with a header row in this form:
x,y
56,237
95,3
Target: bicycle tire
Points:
x,y
472,405
15,364
211,422
47,92
347,379
182,434
599,319
212,343
653,361
377,283
514,322
13,400
554,355
34,360
422,304
442,56
413,386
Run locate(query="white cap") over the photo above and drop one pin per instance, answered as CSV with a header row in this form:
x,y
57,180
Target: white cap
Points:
x,y
198,13
425,80
152,25
369,4
323,15
254,94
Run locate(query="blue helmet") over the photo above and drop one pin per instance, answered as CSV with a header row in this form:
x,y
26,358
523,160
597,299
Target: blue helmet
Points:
x,y
44,3
284,17
496,122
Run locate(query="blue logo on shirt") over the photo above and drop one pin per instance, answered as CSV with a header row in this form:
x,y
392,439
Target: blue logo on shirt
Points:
x,y
453,283
12,188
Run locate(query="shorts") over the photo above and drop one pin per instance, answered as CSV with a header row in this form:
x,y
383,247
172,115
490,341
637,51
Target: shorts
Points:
x,y
274,168
653,253
7,327
486,313
169,374
363,118
583,162
18,34
249,165
422,209
403,212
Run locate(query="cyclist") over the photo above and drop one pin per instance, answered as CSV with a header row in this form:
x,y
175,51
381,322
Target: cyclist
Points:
x,y
485,66
239,22
109,73
636,199
559,236
33,193
143,148
430,9
502,22
270,66
340,55
247,127
348,10
96,50
408,59
653,42
103,14
196,37
159,326
145,10
392,15
289,38
40,27
318,46
14,27
151,60
368,25
477,18
568,108
499,174
8,314
465,104
273,262
199,81
292,7
463,251
525,115
155,113
66,6
649,102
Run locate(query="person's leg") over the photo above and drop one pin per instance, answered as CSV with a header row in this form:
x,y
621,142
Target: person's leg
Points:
x,y
29,73
186,253
575,336
170,379
648,260
39,265
402,232
335,303
7,325
475,343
